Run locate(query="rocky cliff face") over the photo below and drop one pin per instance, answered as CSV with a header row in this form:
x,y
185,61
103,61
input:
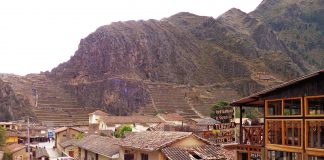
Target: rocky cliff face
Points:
x,y
186,49
299,24
117,96
125,66
12,105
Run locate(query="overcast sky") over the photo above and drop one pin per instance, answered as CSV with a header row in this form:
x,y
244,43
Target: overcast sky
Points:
x,y
37,35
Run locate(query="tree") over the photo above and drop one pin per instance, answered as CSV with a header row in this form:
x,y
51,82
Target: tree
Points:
x,y
7,156
217,105
121,131
2,136
79,136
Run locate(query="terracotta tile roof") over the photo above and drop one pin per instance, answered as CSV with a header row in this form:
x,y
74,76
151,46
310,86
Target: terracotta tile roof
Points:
x,y
41,152
205,121
171,117
14,147
210,152
81,129
98,144
57,130
172,127
152,140
131,119
99,113
199,128
205,152
67,143
160,127
173,153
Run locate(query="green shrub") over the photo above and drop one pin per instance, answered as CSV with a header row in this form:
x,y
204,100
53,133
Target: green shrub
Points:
x,y
121,131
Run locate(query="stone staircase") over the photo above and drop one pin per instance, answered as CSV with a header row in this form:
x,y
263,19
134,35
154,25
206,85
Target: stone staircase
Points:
x,y
171,99
55,106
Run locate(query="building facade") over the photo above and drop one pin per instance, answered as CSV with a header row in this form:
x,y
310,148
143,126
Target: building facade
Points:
x,y
294,120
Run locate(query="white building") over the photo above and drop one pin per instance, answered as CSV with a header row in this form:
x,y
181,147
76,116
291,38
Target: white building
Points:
x,y
137,123
97,116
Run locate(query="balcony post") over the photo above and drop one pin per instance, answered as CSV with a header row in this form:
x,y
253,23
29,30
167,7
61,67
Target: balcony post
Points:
x,y
241,125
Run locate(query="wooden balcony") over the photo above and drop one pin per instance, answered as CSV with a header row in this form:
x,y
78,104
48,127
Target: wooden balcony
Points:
x,y
253,135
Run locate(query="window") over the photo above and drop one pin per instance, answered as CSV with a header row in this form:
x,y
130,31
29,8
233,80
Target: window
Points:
x,y
279,155
292,106
315,134
315,158
292,133
19,157
284,107
284,132
144,156
128,155
274,107
315,105
274,132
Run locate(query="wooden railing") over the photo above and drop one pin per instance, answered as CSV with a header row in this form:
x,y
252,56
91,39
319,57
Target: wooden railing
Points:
x,y
253,135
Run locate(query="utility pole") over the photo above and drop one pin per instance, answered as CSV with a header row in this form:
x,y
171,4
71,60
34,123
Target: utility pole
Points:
x,y
28,139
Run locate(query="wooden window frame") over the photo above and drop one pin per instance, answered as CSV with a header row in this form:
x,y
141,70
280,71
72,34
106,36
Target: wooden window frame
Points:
x,y
284,150
316,154
283,107
306,106
144,154
313,151
282,146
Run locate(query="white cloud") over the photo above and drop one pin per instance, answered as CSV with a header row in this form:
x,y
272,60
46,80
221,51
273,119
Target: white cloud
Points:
x,y
37,35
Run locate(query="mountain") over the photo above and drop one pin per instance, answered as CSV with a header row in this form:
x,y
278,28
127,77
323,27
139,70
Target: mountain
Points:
x,y
299,24
12,104
184,63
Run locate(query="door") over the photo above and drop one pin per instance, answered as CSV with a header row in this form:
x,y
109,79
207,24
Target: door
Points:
x,y
71,153
128,156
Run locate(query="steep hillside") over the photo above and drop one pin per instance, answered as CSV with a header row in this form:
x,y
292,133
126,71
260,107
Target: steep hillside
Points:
x,y
299,24
245,52
13,105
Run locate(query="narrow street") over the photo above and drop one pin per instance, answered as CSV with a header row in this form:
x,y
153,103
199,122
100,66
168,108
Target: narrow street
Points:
x,y
53,154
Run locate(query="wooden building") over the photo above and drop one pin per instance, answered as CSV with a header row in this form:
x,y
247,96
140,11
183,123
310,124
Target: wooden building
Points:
x,y
294,121
37,133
